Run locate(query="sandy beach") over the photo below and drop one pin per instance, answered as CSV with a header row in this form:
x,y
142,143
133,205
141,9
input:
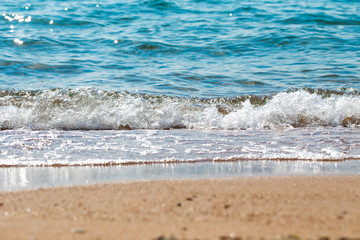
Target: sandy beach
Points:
x,y
305,207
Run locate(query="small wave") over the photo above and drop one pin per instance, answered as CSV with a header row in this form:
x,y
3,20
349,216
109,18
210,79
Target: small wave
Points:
x,y
94,109
160,4
53,68
322,19
4,63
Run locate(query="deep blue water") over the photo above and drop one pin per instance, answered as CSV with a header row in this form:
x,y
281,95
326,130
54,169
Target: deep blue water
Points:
x,y
189,48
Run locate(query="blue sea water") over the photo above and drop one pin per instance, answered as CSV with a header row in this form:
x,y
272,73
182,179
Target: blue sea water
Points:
x,y
192,80
189,48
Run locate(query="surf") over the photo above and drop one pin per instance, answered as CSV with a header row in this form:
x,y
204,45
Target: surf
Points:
x,y
95,109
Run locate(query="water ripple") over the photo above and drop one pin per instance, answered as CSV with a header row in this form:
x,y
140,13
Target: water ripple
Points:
x,y
168,47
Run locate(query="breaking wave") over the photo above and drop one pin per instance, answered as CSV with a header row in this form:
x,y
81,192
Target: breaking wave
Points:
x,y
94,109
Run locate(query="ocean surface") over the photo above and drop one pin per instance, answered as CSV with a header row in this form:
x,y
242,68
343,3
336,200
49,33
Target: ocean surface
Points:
x,y
90,83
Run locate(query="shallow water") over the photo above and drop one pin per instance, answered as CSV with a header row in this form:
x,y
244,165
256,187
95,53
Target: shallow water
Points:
x,y
24,178
63,148
190,81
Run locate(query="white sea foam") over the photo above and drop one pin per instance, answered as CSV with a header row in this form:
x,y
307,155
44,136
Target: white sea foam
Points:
x,y
295,109
94,109
68,148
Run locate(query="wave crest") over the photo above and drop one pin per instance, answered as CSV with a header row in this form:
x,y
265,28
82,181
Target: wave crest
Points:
x,y
94,109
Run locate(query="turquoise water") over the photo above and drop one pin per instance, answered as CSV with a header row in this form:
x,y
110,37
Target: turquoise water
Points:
x,y
188,48
192,80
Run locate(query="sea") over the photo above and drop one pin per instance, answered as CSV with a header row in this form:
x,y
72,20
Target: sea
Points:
x,y
94,91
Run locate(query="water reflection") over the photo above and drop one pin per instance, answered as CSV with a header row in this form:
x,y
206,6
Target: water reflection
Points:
x,y
18,178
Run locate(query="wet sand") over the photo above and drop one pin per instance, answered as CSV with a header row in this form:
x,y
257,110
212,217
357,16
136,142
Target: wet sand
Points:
x,y
262,207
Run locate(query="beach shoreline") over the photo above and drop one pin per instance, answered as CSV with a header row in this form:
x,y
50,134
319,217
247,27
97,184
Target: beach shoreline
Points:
x,y
27,178
303,207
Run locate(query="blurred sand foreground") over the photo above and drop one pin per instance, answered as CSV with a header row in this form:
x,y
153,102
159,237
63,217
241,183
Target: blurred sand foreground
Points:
x,y
243,208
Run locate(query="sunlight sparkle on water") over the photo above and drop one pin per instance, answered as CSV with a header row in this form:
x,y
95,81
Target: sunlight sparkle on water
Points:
x,y
18,41
19,18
